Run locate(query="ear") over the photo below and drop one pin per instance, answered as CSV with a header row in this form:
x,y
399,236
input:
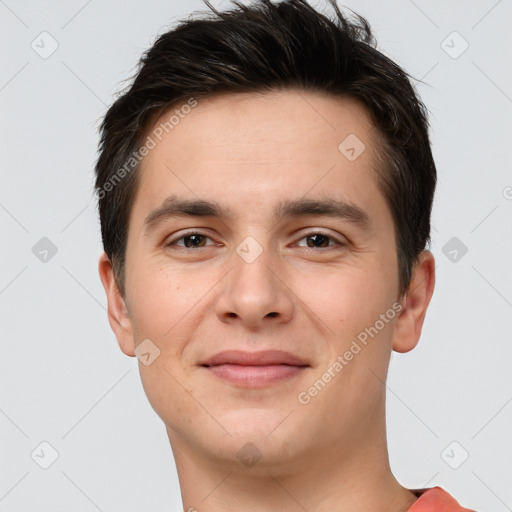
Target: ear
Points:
x,y
415,303
117,312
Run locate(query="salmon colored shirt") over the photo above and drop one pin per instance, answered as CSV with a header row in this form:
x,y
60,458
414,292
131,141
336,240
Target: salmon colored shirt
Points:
x,y
435,499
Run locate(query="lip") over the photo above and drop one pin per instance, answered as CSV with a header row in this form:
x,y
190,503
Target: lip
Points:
x,y
262,358
255,369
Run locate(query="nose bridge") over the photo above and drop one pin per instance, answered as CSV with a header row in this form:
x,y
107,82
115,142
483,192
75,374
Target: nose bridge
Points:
x,y
253,290
253,275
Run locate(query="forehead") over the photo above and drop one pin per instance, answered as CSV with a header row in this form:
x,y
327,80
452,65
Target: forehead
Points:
x,y
280,118
287,142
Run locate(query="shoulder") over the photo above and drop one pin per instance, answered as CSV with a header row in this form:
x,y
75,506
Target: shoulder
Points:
x,y
435,499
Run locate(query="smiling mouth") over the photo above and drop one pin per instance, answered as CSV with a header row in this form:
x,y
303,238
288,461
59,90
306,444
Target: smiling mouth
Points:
x,y
255,376
255,369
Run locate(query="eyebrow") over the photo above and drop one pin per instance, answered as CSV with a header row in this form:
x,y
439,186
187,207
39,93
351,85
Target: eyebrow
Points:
x,y
173,206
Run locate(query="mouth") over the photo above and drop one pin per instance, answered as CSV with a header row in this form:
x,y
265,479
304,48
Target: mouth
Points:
x,y
255,369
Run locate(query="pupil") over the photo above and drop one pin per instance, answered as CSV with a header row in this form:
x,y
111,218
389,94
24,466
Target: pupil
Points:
x,y
317,237
192,237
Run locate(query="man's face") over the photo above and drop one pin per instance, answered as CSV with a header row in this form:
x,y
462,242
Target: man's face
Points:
x,y
302,282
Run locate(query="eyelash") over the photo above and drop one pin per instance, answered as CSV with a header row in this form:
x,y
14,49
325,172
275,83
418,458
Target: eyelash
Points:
x,y
311,233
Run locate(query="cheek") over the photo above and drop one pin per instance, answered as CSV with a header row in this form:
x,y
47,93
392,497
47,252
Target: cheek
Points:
x,y
163,312
350,306
159,299
166,308
163,386
345,299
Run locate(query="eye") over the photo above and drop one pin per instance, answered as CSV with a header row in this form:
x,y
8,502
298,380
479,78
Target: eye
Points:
x,y
320,240
190,240
197,240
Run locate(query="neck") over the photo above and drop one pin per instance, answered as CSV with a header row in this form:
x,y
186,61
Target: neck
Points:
x,y
353,476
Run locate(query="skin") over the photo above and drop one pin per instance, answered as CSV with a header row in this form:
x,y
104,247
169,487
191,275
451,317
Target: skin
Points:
x,y
248,152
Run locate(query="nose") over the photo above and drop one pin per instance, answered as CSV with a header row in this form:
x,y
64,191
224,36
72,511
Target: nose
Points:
x,y
255,294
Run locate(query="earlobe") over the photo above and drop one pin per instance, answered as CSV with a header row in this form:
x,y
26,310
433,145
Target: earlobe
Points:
x,y
118,316
415,303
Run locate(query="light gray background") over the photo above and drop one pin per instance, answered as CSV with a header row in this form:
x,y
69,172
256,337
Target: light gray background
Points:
x,y
64,380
